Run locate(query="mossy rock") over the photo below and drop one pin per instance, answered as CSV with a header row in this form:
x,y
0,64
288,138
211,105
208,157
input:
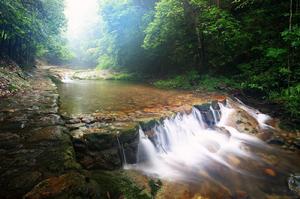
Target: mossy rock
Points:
x,y
128,135
149,124
100,141
55,79
117,185
70,185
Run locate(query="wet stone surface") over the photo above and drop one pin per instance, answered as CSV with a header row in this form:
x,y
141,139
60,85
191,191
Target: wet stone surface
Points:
x,y
103,117
44,154
34,144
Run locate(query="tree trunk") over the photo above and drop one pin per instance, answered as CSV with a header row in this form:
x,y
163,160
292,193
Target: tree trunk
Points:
x,y
291,15
290,49
218,3
191,18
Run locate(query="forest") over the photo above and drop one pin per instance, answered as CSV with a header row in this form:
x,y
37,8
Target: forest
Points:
x,y
149,99
245,44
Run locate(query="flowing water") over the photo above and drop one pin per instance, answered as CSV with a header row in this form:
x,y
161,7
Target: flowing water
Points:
x,y
212,159
185,149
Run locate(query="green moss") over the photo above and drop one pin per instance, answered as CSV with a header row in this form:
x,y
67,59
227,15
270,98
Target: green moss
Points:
x,y
128,134
155,186
117,184
69,159
13,88
194,81
122,76
211,83
148,124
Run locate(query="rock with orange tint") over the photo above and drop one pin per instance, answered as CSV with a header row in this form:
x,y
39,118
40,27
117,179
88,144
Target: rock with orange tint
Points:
x,y
265,136
270,159
278,197
270,172
198,196
71,185
172,190
241,195
233,160
244,122
213,190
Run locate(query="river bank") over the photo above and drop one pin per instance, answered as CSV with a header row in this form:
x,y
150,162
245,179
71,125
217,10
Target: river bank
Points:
x,y
194,83
48,154
39,153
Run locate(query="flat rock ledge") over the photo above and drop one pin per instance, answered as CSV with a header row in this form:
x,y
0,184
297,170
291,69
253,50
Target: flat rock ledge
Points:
x,y
34,145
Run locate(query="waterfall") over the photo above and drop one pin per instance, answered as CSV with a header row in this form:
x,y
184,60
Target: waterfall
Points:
x,y
185,147
66,79
260,117
121,149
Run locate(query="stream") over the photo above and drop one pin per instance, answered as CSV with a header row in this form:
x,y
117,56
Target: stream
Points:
x,y
200,152
89,96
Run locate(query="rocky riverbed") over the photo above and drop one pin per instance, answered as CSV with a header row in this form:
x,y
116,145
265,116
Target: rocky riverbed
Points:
x,y
38,159
48,154
44,155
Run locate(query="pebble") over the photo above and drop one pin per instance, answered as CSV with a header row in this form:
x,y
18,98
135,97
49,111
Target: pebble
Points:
x,y
270,172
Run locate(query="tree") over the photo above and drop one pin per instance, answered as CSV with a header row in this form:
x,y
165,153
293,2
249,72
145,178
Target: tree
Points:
x,y
29,25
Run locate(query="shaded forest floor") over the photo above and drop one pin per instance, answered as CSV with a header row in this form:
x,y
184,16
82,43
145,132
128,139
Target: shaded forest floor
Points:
x,y
12,78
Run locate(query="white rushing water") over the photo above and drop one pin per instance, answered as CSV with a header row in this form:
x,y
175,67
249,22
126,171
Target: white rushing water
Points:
x,y
66,79
184,147
260,117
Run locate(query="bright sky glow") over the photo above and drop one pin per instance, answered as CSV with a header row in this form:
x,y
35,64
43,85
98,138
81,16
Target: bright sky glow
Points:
x,y
81,14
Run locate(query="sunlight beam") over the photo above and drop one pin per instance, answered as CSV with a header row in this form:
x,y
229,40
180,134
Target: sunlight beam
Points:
x,y
81,14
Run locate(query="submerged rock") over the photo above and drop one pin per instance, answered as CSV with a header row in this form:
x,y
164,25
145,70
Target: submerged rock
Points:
x,y
270,172
276,141
244,122
294,183
210,113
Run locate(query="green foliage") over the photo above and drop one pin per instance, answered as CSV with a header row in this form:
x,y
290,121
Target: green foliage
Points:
x,y
253,42
166,25
155,185
290,97
224,38
192,80
292,37
275,53
105,62
185,81
123,76
122,35
221,83
233,41
28,26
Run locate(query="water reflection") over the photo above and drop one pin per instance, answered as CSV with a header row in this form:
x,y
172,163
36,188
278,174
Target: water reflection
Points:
x,y
95,96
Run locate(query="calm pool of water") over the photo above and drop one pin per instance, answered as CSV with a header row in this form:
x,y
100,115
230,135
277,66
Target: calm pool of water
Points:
x,y
84,97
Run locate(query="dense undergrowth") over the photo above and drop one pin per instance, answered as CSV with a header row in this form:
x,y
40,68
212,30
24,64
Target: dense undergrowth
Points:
x,y
12,78
192,80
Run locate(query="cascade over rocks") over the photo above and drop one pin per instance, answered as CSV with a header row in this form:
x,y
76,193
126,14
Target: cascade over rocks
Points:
x,y
44,155
109,149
